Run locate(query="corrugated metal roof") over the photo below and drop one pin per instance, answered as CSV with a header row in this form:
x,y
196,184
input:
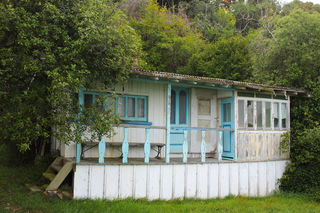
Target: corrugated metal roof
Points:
x,y
214,82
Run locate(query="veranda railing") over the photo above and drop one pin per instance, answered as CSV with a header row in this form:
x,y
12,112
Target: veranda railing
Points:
x,y
147,145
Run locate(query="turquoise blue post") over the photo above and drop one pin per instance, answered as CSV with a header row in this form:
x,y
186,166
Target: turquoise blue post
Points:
x,y
78,151
102,149
220,148
147,147
185,146
168,123
125,146
203,146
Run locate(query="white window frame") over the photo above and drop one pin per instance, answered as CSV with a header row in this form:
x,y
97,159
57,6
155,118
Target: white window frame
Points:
x,y
263,100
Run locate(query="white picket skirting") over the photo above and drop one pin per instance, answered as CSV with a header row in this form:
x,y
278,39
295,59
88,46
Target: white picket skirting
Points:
x,y
177,181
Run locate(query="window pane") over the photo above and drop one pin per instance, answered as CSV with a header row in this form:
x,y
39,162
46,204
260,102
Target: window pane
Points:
x,y
110,103
259,114
250,113
276,115
183,107
131,107
88,100
98,101
241,113
141,107
284,115
122,106
229,112
268,115
173,107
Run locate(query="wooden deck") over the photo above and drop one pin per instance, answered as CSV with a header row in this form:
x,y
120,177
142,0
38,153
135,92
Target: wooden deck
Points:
x,y
153,161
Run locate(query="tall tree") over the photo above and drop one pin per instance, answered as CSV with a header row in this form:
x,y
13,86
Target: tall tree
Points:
x,y
48,50
168,40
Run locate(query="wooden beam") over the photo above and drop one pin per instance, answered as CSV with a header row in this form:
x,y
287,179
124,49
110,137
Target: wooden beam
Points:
x,y
60,177
168,123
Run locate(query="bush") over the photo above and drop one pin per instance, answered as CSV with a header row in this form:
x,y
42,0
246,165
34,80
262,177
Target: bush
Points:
x,y
303,173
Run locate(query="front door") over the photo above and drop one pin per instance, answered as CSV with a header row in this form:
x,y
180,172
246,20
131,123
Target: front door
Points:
x,y
179,117
227,111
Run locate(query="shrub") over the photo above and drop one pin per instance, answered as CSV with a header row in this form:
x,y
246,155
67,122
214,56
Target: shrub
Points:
x,y
303,173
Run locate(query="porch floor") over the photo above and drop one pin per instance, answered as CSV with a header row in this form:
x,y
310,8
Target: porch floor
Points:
x,y
153,161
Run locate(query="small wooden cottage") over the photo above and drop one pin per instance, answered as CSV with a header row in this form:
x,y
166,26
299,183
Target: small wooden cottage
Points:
x,y
185,136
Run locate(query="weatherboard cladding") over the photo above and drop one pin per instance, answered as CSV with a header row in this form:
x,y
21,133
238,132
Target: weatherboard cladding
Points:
x,y
213,81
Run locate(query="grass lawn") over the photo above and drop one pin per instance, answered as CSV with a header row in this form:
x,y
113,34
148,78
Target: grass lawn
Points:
x,y
16,197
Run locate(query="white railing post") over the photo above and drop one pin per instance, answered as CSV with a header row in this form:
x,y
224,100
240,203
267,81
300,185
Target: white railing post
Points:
x,y
220,148
147,146
125,146
203,146
185,146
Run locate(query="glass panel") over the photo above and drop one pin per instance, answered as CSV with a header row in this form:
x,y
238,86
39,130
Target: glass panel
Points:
x,y
224,113
88,100
183,107
110,103
122,106
173,107
259,114
131,107
276,115
250,113
284,115
98,101
268,115
141,107
241,113
229,112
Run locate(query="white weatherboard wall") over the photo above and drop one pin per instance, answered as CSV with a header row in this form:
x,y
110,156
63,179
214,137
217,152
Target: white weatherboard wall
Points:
x,y
177,181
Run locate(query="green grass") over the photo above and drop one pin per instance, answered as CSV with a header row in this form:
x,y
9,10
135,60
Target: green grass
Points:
x,y
16,197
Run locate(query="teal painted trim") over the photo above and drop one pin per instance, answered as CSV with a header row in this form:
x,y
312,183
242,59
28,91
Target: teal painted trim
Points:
x,y
228,123
203,147
78,147
185,146
78,153
147,147
182,84
135,117
138,123
168,112
125,146
102,149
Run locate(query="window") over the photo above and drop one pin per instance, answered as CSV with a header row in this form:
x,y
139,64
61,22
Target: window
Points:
x,y
129,107
250,113
241,113
268,115
173,107
259,114
132,108
276,115
284,115
88,100
183,107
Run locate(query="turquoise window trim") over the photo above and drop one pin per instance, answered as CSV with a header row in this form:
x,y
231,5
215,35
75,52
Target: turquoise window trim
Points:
x,y
126,117
136,117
